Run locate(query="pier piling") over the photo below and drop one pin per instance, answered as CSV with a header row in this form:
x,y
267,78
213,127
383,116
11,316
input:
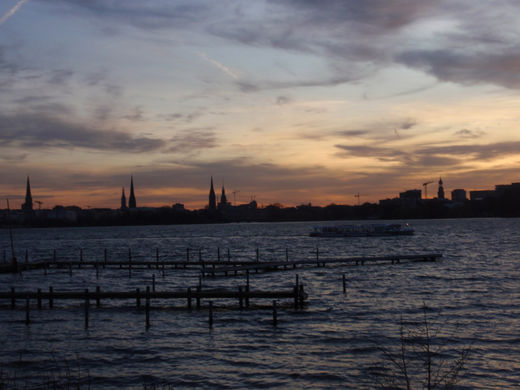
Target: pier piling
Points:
x,y
275,314
147,307
27,317
87,303
210,320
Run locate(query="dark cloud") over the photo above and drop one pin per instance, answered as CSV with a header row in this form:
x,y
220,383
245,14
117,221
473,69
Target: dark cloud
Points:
x,y
352,133
60,76
282,100
467,68
474,152
465,133
355,37
136,115
193,140
37,131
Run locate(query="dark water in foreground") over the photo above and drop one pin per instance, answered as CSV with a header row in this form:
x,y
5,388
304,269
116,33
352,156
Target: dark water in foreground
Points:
x,y
473,293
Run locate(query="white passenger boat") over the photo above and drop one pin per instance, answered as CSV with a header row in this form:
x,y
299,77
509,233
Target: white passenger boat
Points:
x,y
369,230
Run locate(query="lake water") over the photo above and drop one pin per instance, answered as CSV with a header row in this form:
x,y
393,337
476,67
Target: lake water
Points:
x,y
472,296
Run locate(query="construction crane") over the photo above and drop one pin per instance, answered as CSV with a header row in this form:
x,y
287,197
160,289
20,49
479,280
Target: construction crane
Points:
x,y
358,196
39,204
425,185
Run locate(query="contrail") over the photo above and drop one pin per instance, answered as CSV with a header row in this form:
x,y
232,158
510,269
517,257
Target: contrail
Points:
x,y
222,67
11,12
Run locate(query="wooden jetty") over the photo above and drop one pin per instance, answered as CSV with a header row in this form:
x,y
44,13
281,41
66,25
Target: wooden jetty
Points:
x,y
268,266
242,295
227,267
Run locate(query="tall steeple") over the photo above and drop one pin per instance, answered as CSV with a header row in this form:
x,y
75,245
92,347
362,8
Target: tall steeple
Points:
x,y
212,199
131,201
123,199
440,193
223,198
28,205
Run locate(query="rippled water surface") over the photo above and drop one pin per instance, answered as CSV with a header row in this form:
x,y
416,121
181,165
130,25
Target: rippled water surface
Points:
x,y
472,295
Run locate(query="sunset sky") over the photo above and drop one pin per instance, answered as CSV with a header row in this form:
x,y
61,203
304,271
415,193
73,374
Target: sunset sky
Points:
x,y
286,101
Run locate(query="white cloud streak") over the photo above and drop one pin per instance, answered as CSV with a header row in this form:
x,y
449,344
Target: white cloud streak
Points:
x,y
11,12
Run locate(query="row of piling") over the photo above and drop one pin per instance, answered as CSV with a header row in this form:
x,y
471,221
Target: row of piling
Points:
x,y
243,295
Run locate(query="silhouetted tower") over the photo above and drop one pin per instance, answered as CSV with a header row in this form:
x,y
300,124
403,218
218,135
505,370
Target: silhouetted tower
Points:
x,y
223,199
131,201
123,199
28,205
212,200
440,193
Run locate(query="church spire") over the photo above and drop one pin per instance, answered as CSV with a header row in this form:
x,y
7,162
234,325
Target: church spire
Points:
x,y
28,205
440,193
123,199
212,199
132,204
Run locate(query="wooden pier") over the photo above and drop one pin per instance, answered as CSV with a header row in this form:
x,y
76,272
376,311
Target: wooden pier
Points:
x,y
242,295
227,267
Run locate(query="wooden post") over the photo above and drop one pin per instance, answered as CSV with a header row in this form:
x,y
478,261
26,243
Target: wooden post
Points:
x,y
297,280
200,281
98,299
218,254
189,298
39,298
27,318
344,285
247,278
187,255
198,297
129,262
247,296
51,297
147,307
138,297
296,300
153,282
275,314
210,320
286,254
13,300
301,295
240,298
86,308
80,255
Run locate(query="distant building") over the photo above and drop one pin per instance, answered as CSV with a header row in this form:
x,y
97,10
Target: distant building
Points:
x,y
480,195
410,194
410,198
212,206
440,192
132,204
28,205
123,199
223,204
458,195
